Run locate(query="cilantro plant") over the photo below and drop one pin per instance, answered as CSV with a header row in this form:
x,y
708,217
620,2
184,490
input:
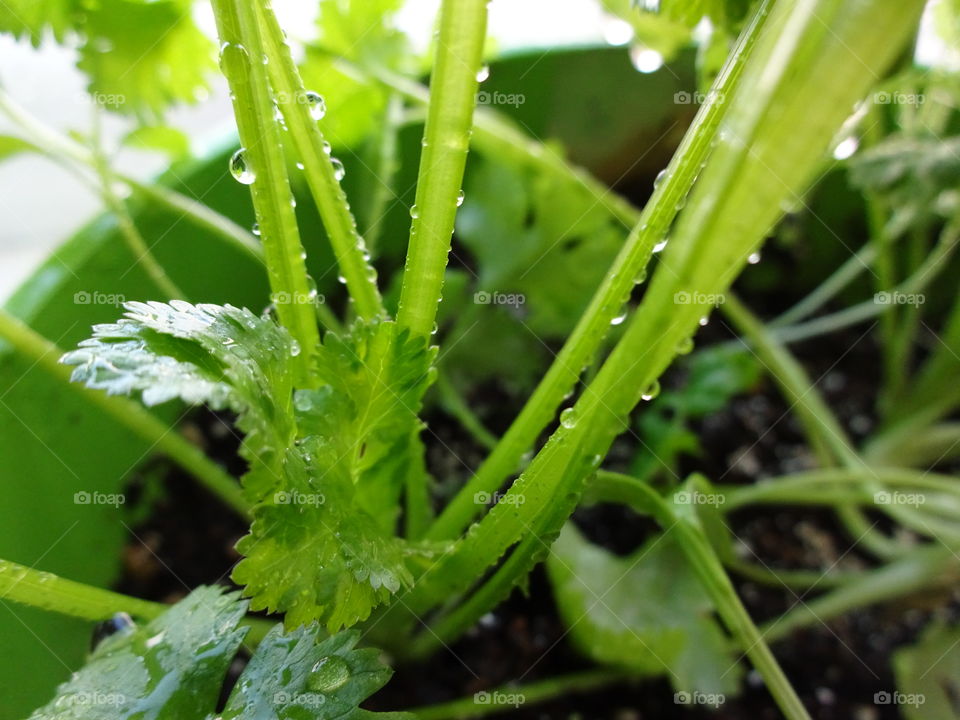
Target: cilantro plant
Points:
x,y
349,539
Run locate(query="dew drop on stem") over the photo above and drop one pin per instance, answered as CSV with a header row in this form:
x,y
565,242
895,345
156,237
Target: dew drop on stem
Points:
x,y
338,170
651,392
241,169
568,418
318,106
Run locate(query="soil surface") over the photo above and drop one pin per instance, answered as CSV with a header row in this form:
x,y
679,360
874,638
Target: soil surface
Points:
x,y
836,667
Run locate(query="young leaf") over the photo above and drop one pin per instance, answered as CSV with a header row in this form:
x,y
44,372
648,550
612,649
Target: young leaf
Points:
x,y
171,668
27,18
220,355
928,675
647,612
323,546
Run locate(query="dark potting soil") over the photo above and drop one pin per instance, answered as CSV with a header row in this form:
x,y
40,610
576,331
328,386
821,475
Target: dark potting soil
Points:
x,y
837,667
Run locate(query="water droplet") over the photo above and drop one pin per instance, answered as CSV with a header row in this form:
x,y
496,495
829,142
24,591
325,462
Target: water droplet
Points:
x,y
661,176
659,247
651,392
754,258
241,170
641,277
644,59
846,147
414,212
685,346
704,320
618,320
294,348
338,170
256,229
568,418
617,32
318,106
328,674
299,166
230,55
460,197
327,148
483,73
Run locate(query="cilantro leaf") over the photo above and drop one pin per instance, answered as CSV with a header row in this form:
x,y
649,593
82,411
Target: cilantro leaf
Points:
x,y
323,546
170,668
220,355
362,33
918,175
327,466
140,55
646,612
173,669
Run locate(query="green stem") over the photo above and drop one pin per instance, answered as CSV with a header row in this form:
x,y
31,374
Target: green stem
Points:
x,y
385,165
608,301
241,59
49,592
65,151
129,414
142,254
695,546
822,429
446,140
499,700
318,167
915,571
453,403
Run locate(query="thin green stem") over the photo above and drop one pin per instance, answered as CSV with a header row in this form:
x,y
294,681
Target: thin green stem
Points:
x,y
49,592
128,413
261,164
323,177
142,254
385,164
614,291
46,141
680,521
446,140
509,697
921,568
453,403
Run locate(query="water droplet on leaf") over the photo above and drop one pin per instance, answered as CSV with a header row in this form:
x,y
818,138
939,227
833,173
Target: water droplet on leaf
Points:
x,y
328,674
568,418
241,170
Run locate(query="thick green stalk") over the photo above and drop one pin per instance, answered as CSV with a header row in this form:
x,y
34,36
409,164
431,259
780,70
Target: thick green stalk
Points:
x,y
607,303
763,158
262,165
446,140
318,168
128,413
49,592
